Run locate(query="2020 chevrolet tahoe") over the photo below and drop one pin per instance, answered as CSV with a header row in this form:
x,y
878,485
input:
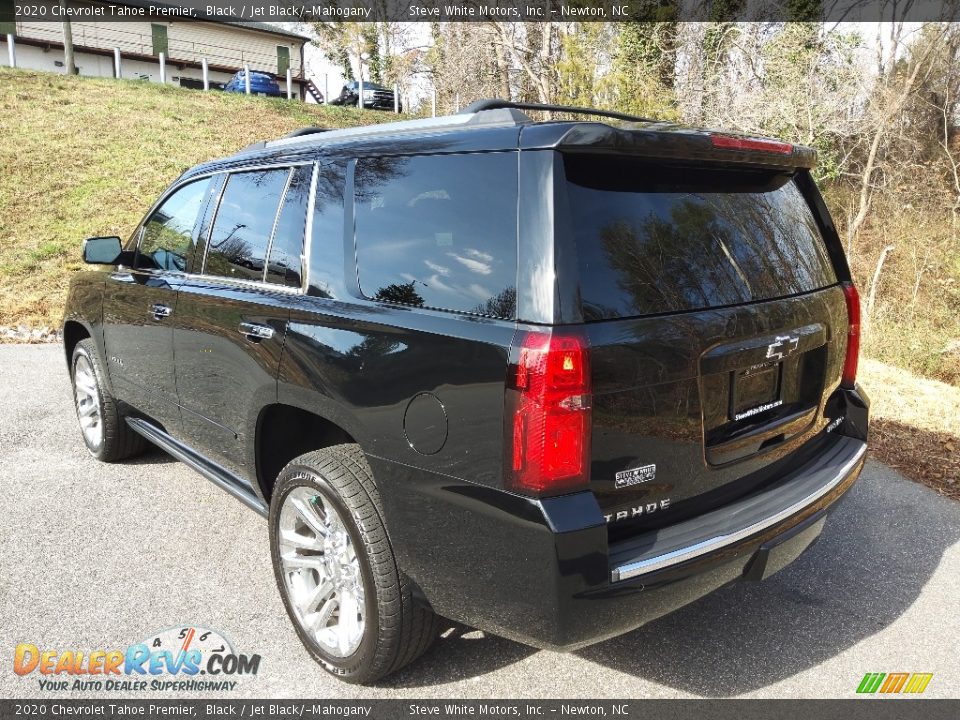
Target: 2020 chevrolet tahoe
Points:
x,y
547,379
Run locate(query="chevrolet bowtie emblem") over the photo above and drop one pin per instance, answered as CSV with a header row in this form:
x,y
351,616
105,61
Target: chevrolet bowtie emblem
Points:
x,y
782,347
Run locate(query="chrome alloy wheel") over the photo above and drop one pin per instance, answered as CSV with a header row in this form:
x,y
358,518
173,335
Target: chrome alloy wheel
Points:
x,y
87,398
321,571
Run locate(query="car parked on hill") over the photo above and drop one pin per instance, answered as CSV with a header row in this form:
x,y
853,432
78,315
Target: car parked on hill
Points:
x,y
375,97
260,84
548,379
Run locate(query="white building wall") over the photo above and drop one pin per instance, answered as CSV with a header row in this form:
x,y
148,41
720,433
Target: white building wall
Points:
x,y
227,45
35,58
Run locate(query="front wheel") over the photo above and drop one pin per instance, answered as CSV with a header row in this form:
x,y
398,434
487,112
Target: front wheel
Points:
x,y
350,604
105,432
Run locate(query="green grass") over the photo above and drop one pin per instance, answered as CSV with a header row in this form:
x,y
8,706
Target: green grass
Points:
x,y
87,156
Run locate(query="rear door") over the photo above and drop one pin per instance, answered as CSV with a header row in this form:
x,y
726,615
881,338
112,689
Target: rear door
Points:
x,y
140,303
233,310
717,330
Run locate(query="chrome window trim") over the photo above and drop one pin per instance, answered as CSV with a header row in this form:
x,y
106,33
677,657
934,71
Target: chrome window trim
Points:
x,y
181,181
260,284
249,284
213,221
704,547
276,221
305,251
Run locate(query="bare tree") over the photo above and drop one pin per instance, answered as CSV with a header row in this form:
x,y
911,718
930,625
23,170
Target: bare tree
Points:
x,y
895,86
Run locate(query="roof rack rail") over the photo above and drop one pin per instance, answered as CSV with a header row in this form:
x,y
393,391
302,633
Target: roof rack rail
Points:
x,y
497,104
489,113
441,123
306,131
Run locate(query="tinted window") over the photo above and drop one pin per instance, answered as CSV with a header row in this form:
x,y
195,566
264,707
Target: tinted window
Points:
x,y
652,239
284,265
326,249
167,239
241,231
439,231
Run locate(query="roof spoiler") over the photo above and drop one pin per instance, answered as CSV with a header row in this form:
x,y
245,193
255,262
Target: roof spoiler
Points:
x,y
673,143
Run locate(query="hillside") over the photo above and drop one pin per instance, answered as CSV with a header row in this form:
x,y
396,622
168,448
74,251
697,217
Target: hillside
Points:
x,y
86,156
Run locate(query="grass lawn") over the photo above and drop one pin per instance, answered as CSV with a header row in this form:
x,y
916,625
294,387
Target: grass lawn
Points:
x,y
86,156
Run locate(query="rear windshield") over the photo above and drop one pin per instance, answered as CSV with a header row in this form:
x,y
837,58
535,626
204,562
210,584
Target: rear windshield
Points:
x,y
653,239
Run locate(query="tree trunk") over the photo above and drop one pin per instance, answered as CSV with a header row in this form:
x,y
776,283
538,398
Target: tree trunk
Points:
x,y
68,61
503,76
884,123
872,297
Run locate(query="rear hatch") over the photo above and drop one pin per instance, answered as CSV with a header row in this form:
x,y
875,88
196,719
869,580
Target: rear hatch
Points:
x,y
716,324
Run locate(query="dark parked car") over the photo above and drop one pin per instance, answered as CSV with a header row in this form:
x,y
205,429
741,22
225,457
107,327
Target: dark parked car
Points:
x,y
260,84
375,97
551,380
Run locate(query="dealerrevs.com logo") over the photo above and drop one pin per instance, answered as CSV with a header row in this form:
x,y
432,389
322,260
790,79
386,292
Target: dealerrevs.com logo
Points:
x,y
177,659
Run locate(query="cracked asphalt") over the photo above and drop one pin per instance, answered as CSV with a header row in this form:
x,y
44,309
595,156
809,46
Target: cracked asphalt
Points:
x,y
99,556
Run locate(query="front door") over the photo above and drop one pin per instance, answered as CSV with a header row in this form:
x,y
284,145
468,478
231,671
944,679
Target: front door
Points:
x,y
232,313
140,303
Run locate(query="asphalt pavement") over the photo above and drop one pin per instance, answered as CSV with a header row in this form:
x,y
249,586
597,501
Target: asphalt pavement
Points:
x,y
96,556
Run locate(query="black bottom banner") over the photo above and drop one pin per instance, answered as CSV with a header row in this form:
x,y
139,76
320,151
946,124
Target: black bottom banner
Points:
x,y
866,709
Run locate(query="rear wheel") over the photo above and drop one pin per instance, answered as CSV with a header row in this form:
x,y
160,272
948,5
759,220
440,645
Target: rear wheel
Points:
x,y
350,604
105,433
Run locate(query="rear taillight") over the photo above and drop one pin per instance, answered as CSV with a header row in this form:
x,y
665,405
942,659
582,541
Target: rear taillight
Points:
x,y
548,408
853,334
728,142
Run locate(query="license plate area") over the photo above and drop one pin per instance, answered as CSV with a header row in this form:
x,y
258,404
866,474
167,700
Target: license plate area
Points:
x,y
753,389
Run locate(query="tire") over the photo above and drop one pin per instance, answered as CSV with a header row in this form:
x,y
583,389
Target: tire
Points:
x,y
391,629
102,426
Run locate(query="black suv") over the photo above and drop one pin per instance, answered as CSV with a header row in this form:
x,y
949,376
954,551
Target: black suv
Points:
x,y
547,379
375,97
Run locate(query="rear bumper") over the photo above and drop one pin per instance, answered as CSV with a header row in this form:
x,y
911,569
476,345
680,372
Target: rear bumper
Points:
x,y
722,529
542,571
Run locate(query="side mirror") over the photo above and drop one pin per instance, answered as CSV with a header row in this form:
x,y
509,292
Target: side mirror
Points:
x,y
102,250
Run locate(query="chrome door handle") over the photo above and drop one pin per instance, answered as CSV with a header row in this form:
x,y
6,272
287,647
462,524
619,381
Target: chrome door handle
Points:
x,y
160,311
256,332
